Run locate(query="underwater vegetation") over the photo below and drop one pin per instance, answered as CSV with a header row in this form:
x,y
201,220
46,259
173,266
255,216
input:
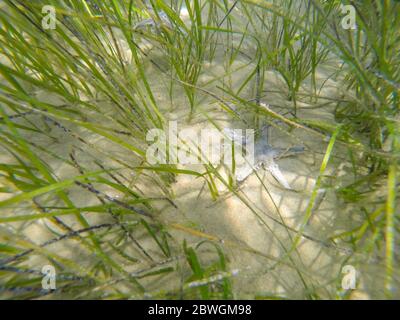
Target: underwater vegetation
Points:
x,y
84,214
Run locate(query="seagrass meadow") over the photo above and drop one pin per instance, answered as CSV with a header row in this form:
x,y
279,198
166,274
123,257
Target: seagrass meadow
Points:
x,y
85,215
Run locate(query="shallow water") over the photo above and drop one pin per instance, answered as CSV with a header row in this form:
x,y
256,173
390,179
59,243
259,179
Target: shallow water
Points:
x,y
253,231
256,225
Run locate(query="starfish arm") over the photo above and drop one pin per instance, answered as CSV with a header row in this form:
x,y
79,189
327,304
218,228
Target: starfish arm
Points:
x,y
277,174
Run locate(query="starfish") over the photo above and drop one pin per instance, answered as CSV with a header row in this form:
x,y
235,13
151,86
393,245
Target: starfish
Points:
x,y
264,157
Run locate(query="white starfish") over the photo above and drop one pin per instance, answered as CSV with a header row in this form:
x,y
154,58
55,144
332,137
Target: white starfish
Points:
x,y
264,156
153,23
